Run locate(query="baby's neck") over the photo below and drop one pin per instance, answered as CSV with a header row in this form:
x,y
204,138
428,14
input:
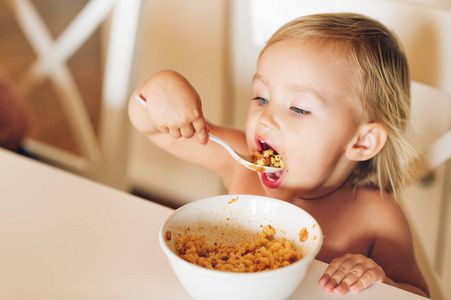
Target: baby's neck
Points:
x,y
325,193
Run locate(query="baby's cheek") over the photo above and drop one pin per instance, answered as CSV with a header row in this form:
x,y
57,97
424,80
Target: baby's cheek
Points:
x,y
305,174
250,133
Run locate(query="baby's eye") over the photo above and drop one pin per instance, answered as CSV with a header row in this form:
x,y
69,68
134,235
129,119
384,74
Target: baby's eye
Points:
x,y
261,100
299,111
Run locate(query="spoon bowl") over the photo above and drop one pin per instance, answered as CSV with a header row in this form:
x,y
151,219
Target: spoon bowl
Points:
x,y
239,158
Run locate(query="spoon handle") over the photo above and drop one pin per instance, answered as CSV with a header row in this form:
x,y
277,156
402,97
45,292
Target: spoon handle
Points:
x,y
141,100
225,145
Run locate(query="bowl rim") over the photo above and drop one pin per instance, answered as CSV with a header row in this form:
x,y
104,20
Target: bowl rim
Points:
x,y
223,274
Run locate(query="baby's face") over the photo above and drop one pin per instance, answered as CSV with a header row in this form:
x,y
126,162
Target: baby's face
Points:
x,y
306,106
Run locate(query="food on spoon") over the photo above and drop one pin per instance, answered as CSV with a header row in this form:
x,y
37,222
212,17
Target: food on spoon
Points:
x,y
267,158
264,254
257,168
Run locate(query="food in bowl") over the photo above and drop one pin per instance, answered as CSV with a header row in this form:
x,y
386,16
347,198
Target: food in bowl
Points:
x,y
267,158
262,254
232,219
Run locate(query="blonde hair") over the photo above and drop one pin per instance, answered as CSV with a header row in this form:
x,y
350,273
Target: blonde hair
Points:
x,y
384,87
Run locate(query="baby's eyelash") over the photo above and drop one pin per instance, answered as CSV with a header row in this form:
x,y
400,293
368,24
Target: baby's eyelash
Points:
x,y
299,111
261,100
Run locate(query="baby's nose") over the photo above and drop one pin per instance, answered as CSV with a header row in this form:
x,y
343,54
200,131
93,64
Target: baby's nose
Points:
x,y
268,120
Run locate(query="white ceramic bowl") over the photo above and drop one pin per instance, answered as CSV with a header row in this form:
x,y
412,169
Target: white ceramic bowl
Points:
x,y
229,219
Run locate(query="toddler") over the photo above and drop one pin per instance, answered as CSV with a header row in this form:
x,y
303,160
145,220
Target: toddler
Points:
x,y
331,96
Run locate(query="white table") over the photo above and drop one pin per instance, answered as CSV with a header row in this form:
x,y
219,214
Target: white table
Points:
x,y
66,237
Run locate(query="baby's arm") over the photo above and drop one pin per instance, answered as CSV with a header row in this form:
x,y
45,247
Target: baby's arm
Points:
x,y
391,260
174,121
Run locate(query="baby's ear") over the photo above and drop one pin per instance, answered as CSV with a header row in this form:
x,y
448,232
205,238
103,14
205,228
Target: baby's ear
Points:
x,y
369,141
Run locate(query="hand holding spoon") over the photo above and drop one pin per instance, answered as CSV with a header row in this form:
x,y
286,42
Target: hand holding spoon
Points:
x,y
239,158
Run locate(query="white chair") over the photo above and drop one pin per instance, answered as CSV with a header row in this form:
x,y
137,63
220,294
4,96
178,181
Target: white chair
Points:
x,y
424,32
102,159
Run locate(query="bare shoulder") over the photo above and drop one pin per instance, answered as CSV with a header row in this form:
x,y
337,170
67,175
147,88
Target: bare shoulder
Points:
x,y
392,245
382,210
385,219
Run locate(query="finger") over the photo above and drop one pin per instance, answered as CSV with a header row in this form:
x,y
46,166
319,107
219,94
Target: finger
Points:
x,y
187,132
201,128
325,280
175,132
342,268
367,279
354,274
163,129
334,265
341,289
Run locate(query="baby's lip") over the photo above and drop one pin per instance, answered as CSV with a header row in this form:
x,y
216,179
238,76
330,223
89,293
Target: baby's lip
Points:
x,y
272,180
274,176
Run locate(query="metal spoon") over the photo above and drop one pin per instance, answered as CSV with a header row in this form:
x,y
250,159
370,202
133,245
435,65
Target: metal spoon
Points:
x,y
241,159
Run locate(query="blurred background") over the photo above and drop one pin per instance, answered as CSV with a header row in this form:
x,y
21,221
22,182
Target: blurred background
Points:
x,y
67,68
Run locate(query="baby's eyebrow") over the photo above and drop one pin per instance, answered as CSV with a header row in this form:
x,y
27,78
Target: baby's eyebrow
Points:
x,y
294,87
307,90
259,78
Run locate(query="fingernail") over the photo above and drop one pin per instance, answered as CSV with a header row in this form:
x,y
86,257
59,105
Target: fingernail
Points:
x,y
330,285
324,279
353,289
339,290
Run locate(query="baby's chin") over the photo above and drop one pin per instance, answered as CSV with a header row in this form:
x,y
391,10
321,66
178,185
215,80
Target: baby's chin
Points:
x,y
281,192
277,194
289,193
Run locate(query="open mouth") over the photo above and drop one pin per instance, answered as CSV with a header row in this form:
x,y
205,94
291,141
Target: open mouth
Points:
x,y
271,180
267,157
264,146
